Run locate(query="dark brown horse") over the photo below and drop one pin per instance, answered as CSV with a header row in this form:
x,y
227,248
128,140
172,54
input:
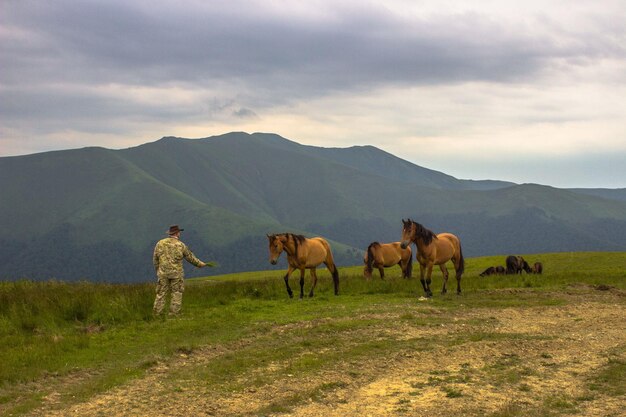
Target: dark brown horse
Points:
x,y
384,255
493,270
303,253
489,271
517,264
537,268
432,250
513,265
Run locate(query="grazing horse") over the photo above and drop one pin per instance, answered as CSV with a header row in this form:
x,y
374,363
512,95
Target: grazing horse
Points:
x,y
384,255
434,250
500,270
517,264
303,253
538,268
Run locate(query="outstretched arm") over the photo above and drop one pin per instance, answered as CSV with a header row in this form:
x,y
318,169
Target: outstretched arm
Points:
x,y
192,259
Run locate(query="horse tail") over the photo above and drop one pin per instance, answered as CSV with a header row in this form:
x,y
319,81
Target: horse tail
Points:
x,y
461,261
330,264
336,279
370,255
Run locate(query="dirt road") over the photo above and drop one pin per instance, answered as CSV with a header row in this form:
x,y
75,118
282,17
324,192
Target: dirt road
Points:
x,y
499,362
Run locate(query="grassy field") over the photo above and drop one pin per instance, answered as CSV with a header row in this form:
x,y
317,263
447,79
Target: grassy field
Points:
x,y
64,344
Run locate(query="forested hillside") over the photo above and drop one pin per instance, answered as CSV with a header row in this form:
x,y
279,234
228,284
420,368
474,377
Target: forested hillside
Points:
x,y
96,213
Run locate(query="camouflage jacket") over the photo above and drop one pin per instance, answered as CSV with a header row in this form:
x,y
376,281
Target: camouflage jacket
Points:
x,y
169,254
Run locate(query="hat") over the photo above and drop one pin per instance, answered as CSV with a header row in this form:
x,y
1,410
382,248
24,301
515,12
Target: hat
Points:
x,y
174,229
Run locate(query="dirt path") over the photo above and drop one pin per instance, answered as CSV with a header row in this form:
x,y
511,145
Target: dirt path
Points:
x,y
543,359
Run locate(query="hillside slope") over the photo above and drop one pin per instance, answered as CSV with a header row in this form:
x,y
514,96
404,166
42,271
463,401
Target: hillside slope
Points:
x,y
96,213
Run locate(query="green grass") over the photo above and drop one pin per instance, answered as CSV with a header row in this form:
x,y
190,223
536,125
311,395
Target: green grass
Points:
x,y
104,335
611,378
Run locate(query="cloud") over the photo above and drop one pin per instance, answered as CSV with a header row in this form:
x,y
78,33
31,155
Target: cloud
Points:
x,y
149,44
395,74
245,114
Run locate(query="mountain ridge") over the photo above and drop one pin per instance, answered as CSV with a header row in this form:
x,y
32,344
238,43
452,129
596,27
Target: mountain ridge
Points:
x,y
88,209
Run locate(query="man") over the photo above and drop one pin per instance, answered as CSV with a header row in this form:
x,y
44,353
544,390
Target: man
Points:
x,y
168,264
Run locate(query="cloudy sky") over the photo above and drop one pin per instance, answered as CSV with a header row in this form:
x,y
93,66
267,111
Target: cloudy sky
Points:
x,y
531,91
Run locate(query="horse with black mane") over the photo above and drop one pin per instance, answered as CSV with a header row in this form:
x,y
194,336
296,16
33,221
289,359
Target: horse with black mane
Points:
x,y
517,264
432,250
385,255
303,253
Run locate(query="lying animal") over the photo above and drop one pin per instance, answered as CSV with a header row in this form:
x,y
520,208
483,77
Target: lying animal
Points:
x,y
489,271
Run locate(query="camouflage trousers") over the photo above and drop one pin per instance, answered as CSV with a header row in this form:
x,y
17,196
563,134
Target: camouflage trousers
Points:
x,y
174,284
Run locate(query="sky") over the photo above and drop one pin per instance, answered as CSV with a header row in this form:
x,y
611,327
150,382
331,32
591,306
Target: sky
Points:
x,y
529,92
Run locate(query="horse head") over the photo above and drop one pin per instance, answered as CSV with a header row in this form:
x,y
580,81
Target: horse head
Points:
x,y
276,246
408,233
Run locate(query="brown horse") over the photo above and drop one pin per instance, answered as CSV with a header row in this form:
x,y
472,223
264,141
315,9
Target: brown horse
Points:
x,y
303,253
434,250
384,255
489,271
516,264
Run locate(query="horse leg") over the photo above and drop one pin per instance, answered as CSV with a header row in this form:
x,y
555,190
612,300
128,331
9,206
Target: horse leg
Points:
x,y
422,280
302,271
426,269
382,272
336,279
332,268
429,273
289,271
314,277
444,271
405,269
458,278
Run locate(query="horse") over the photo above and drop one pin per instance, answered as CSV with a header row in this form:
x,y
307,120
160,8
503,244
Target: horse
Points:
x,y
513,265
537,268
500,270
432,250
303,253
517,264
384,255
489,271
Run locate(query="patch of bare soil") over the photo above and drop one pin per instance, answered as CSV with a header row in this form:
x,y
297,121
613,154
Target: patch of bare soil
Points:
x,y
488,362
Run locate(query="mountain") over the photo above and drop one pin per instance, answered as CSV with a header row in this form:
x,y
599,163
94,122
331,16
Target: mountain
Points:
x,y
96,213
612,194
